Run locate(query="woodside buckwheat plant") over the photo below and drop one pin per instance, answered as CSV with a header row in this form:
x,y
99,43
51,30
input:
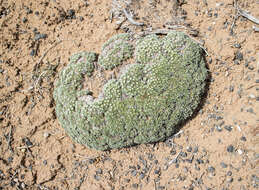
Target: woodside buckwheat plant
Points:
x,y
145,103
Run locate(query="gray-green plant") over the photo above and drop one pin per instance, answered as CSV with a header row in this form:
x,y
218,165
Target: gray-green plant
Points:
x,y
145,103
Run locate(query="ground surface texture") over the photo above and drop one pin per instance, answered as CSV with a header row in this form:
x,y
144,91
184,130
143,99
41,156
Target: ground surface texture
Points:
x,y
216,149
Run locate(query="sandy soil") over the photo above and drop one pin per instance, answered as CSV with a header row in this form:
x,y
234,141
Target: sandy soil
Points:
x,y
216,149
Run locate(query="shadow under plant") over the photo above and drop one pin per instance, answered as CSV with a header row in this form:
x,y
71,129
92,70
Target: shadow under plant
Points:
x,y
137,91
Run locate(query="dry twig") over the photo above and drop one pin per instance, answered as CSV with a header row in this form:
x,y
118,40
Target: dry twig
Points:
x,y
248,16
130,18
45,53
9,140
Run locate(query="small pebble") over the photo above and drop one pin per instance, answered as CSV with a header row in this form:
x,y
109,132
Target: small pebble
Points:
x,y
250,67
211,169
157,171
46,134
28,142
24,20
237,45
250,110
99,171
172,152
40,36
135,185
223,165
229,173
228,128
195,150
243,138
240,151
231,88
197,167
97,177
33,52
71,14
199,161
230,180
81,18
183,154
133,172
189,149
218,128
239,56
10,159
141,176
230,148
45,162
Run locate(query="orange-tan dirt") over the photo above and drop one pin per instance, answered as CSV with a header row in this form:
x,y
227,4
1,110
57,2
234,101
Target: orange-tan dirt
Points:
x,y
36,153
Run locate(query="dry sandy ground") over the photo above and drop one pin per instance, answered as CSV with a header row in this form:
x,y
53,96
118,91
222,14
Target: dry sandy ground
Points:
x,y
216,149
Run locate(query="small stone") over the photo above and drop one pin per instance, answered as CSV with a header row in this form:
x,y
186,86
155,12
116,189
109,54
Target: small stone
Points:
x,y
211,169
91,161
45,162
230,180
156,161
199,161
135,185
97,177
236,62
185,169
250,110
172,152
223,165
237,45
28,142
99,171
24,20
257,81
195,150
141,176
197,167
183,154
189,149
252,96
157,171
46,134
33,52
81,18
165,167
133,172
250,67
239,56
71,14
243,138
231,88
229,173
218,128
10,159
239,151
228,128
230,148
40,36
